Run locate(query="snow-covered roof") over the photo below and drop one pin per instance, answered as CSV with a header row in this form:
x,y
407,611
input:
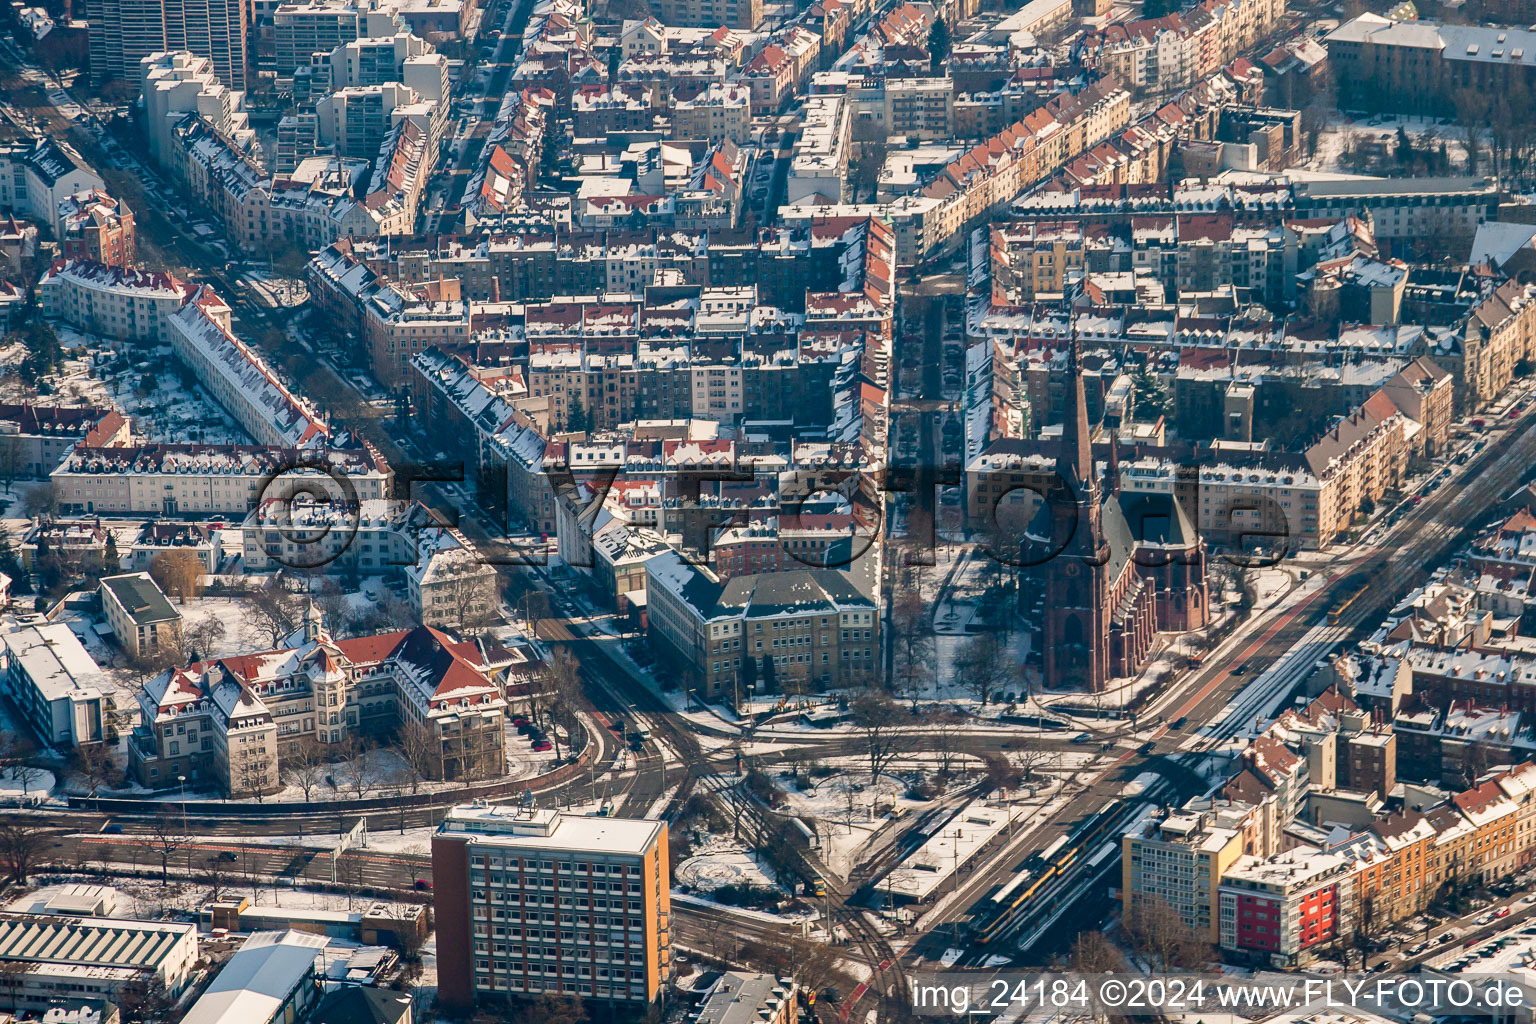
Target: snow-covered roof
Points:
x,y
258,979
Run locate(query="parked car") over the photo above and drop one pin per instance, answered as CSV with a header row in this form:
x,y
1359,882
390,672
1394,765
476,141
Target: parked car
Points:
x,y
1501,912
422,885
1416,948
543,745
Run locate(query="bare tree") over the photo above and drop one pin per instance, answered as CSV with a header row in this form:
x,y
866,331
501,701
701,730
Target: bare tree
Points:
x,y
813,964
984,665
356,768
250,870
999,772
1029,760
561,676
179,573
1360,928
946,738
470,590
1093,953
304,767
11,460
349,875
911,622
421,751
876,716
1161,937
167,834
92,766
20,847
215,869
204,636
332,602
272,613
29,775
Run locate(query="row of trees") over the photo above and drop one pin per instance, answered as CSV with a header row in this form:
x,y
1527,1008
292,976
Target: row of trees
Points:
x,y
984,666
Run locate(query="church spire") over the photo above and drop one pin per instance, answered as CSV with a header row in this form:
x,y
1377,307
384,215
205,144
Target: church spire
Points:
x,y
1076,439
1113,483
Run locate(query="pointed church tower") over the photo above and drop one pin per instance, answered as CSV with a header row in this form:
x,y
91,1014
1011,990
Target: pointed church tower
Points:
x,y
1076,608
1075,464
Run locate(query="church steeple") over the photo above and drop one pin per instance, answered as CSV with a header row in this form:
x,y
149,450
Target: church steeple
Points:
x,y
1076,438
1077,470
1112,484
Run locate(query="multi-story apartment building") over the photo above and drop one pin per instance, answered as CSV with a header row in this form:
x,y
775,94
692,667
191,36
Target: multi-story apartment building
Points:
x,y
36,175
741,998
298,138
1281,907
1401,65
124,32
1307,500
476,419
533,901
180,83
818,627
743,14
239,378
355,119
217,480
35,438
1286,907
225,723
451,585
819,166
63,695
1178,862
130,305
141,618
374,61
1500,333
1426,394
398,325
1415,208
97,227
1034,261
364,538
717,112
308,27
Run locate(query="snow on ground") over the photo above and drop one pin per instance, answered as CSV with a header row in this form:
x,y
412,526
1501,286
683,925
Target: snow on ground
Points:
x,y
842,809
1348,145
229,612
721,861
151,392
24,785
275,290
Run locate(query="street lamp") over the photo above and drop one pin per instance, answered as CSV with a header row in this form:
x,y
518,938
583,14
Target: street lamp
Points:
x,y
182,779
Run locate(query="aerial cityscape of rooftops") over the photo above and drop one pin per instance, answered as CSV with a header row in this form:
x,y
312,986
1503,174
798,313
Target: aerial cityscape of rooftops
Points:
x,y
727,511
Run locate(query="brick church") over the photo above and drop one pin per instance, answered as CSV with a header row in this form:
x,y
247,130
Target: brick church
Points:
x,y
1115,568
